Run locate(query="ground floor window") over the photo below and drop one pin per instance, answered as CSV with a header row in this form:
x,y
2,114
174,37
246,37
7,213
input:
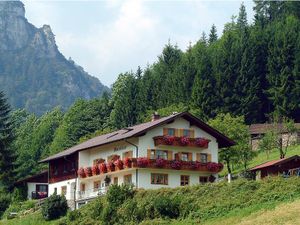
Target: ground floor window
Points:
x,y
128,179
63,190
158,178
116,181
203,180
97,184
42,188
82,187
184,180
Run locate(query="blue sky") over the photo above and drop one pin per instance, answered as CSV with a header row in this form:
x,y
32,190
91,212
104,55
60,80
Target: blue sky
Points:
x,y
110,37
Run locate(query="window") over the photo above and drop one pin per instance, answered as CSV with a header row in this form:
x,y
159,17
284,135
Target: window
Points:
x,y
63,190
203,180
128,179
55,170
127,154
184,180
97,184
203,158
171,131
158,154
65,168
184,156
161,154
116,180
157,178
82,187
73,166
187,133
41,188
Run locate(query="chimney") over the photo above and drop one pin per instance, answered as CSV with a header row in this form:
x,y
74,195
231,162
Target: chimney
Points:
x,y
155,116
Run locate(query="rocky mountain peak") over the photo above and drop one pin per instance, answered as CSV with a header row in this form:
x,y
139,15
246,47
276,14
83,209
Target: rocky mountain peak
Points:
x,y
12,8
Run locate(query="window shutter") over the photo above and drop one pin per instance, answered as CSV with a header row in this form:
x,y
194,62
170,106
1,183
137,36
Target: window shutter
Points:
x,y
192,133
177,156
176,132
149,153
165,132
181,132
198,157
190,156
208,157
170,155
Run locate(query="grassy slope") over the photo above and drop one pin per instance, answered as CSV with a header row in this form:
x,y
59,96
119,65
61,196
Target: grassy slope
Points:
x,y
262,157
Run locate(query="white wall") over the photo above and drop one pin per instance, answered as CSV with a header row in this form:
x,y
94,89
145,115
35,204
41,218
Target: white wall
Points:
x,y
58,185
146,141
32,187
144,178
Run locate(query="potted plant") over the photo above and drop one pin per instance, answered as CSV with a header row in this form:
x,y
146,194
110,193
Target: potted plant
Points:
x,y
119,164
128,162
142,162
95,170
88,171
176,164
202,142
81,172
169,140
160,162
110,166
184,140
103,168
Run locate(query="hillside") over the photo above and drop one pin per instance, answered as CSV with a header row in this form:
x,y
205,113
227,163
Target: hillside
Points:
x,y
33,73
241,202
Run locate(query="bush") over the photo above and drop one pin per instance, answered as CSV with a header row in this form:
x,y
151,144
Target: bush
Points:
x,y
167,207
4,203
54,207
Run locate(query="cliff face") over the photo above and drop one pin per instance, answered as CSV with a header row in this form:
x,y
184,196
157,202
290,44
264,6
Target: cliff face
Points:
x,y
33,73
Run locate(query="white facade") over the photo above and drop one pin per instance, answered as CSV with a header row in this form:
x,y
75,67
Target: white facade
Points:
x,y
83,189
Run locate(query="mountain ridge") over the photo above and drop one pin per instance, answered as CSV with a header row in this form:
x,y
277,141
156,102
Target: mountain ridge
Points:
x,y
33,73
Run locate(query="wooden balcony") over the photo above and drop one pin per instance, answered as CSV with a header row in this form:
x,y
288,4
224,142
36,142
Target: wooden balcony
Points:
x,y
144,162
181,141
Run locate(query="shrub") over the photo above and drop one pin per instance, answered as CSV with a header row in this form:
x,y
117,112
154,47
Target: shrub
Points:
x,y
184,140
142,162
95,170
54,207
4,203
73,215
103,168
88,171
81,172
128,162
175,164
167,207
160,163
169,140
119,164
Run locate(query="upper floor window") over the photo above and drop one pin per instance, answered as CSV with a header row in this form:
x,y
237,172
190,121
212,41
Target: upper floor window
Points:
x,y
186,133
203,157
184,156
171,131
158,154
55,170
127,154
65,168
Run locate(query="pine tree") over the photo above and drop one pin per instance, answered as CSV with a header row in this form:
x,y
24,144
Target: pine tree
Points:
x,y
7,155
213,34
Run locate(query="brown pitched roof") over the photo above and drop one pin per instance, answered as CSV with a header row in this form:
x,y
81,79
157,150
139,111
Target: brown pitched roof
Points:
x,y
262,128
140,129
274,163
41,177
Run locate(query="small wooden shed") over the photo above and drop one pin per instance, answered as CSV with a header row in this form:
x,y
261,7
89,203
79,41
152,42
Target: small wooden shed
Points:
x,y
285,167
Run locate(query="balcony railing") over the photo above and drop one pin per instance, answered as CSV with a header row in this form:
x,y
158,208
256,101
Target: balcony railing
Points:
x,y
38,195
144,162
91,193
181,141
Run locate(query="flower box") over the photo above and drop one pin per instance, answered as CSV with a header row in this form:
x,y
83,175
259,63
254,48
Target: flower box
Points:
x,y
81,172
102,168
142,162
88,171
181,141
110,167
160,163
128,162
119,164
95,170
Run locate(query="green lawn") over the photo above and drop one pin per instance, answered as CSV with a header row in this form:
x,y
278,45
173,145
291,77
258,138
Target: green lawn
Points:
x,y
262,157
31,219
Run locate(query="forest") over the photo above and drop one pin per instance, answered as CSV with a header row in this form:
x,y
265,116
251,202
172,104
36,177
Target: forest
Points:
x,y
252,72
